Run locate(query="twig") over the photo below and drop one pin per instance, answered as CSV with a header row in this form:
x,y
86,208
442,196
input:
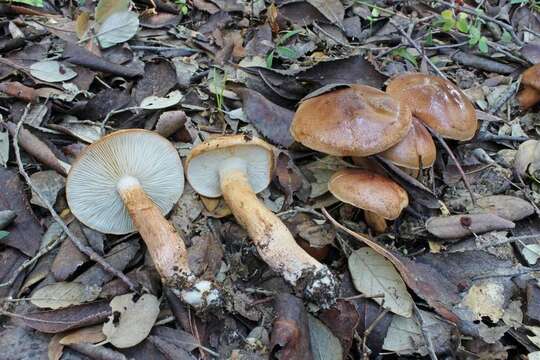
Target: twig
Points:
x,y
113,112
429,342
453,157
25,265
418,48
86,250
363,296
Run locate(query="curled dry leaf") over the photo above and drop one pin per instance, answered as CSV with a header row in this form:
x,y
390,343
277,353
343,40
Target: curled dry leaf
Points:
x,y
132,319
373,275
69,318
64,294
37,148
508,207
290,332
458,226
91,334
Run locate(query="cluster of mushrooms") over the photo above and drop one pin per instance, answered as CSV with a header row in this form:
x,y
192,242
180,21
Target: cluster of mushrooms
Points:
x,y
129,179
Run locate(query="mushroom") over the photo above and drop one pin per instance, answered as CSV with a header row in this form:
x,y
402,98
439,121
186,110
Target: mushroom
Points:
x,y
238,167
416,151
355,121
126,181
436,102
530,94
379,197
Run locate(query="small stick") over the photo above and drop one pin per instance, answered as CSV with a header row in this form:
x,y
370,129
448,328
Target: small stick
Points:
x,y
453,157
87,250
418,48
429,341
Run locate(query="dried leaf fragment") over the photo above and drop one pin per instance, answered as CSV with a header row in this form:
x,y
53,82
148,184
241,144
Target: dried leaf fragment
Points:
x,y
64,294
132,319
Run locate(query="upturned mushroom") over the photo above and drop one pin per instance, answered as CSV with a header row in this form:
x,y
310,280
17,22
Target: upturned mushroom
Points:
x,y
126,181
355,121
530,94
238,167
379,197
416,151
436,102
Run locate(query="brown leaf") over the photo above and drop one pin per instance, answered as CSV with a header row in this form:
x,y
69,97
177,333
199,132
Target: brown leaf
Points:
x,y
82,24
158,79
342,319
205,255
69,258
170,122
369,311
508,207
289,176
104,102
271,120
118,257
19,91
91,334
37,148
458,226
25,231
70,318
55,349
290,337
80,56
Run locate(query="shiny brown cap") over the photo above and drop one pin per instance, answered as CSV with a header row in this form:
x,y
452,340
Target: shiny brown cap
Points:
x,y
436,102
416,149
531,77
355,121
369,191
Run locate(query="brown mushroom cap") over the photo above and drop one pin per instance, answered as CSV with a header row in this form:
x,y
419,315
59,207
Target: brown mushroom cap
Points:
x,y
355,121
369,191
531,77
438,103
416,149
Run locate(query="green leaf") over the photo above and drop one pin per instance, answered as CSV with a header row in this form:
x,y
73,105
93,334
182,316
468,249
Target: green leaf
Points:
x,y
404,53
375,12
474,35
270,59
3,234
36,3
482,45
506,37
462,23
447,14
286,53
288,35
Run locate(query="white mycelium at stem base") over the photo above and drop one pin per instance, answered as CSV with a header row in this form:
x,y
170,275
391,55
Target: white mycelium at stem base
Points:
x,y
127,181
235,170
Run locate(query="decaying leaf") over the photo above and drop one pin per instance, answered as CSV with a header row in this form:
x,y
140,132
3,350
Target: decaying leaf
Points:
x,y
342,319
73,317
373,275
48,183
52,71
319,173
117,28
290,332
508,207
156,102
486,299
64,294
131,320
324,345
458,226
91,334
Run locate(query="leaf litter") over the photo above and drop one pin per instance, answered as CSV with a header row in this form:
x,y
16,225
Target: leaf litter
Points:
x,y
452,277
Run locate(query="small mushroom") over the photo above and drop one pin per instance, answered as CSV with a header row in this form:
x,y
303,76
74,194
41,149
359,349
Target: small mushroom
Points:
x,y
126,181
436,102
354,121
530,94
238,167
378,196
416,151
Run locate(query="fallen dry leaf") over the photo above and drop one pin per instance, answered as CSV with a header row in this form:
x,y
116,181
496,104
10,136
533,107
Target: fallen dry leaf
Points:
x,y
458,226
132,319
64,294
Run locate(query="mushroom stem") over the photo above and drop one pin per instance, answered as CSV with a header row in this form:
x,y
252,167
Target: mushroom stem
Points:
x,y
376,222
165,246
273,240
528,97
